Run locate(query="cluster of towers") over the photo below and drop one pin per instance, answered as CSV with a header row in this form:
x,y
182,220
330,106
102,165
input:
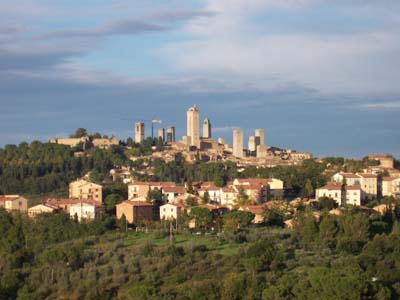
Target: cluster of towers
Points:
x,y
256,145
139,133
192,137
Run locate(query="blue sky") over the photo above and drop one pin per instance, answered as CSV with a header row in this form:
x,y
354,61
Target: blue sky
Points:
x,y
318,75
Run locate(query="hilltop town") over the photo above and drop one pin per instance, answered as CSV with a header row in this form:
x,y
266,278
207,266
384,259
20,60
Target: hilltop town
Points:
x,y
149,197
142,218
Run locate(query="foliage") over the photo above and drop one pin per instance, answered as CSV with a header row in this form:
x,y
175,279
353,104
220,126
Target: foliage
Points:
x,y
201,215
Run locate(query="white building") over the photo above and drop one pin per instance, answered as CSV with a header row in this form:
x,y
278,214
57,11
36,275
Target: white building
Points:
x,y
353,195
330,190
171,211
83,210
390,186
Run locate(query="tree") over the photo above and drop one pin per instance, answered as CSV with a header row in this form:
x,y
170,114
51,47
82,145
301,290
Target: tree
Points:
x,y
191,201
238,217
110,202
308,189
155,197
273,217
327,203
80,132
201,215
328,229
242,199
206,197
123,224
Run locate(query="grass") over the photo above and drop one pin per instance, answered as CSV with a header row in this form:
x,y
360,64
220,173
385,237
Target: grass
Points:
x,y
183,240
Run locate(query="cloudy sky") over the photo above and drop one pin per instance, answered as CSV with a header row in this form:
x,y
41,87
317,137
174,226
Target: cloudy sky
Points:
x,y
318,75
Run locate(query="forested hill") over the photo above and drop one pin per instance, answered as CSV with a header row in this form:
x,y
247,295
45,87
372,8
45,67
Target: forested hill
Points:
x,y
39,168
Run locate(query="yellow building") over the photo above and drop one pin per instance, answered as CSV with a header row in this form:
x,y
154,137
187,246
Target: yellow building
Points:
x,y
14,203
83,189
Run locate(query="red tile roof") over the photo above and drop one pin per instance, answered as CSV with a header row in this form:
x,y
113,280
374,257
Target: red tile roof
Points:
x,y
137,203
174,189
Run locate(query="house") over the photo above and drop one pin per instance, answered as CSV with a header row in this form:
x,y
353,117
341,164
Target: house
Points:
x,y
62,203
390,186
369,186
171,211
86,190
228,196
135,211
14,203
353,195
368,183
140,188
87,210
105,143
41,209
331,190
170,193
213,191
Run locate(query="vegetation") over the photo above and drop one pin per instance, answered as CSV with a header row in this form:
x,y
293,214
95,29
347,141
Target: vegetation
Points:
x,y
337,257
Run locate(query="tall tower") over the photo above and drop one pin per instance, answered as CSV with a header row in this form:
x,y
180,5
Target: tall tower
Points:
x,y
161,134
206,128
171,134
238,143
193,133
252,143
139,132
260,137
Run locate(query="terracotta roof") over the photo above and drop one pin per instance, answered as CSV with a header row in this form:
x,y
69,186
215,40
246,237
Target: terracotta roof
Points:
x,y
353,187
174,189
153,183
331,186
69,201
228,190
137,203
388,178
9,197
349,175
365,175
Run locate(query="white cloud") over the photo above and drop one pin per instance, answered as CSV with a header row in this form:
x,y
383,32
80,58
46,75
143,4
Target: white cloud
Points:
x,y
230,45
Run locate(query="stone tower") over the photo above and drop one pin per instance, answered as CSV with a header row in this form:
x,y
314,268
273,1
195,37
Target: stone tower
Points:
x,y
206,128
139,132
238,143
171,134
260,137
193,132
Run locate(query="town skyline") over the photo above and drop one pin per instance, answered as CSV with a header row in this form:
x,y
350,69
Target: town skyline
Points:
x,y
64,69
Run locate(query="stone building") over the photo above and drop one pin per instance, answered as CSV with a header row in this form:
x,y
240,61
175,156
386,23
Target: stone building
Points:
x,y
139,132
72,142
207,129
193,134
238,143
135,211
171,134
14,203
105,143
83,189
161,134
